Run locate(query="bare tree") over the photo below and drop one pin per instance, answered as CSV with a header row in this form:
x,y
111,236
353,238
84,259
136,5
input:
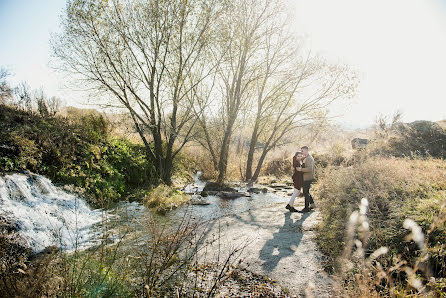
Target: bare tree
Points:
x,y
24,96
267,77
42,106
147,56
5,90
241,40
313,86
53,104
276,79
207,132
384,124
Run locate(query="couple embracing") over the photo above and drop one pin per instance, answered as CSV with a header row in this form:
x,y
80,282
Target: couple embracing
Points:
x,y
303,176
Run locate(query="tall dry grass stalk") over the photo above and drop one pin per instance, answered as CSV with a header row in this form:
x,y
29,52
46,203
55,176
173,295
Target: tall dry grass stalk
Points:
x,y
362,274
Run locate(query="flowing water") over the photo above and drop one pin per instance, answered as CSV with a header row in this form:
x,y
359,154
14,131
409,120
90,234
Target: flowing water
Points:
x,y
45,215
219,207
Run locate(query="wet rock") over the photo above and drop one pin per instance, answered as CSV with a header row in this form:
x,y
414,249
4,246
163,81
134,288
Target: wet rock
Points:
x,y
257,190
14,250
210,193
198,200
232,195
204,194
8,225
213,186
48,251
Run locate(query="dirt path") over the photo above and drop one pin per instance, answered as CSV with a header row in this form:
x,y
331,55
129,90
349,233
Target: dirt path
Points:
x,y
280,246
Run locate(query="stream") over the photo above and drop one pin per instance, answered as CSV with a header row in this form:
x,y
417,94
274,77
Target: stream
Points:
x,y
46,215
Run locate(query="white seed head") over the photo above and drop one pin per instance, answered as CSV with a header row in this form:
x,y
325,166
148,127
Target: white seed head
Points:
x,y
417,233
365,225
363,206
354,217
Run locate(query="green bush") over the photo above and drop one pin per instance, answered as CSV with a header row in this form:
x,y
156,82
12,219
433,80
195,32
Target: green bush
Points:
x,y
75,149
109,170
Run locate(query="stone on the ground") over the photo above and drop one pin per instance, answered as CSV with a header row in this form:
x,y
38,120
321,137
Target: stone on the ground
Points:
x,y
213,186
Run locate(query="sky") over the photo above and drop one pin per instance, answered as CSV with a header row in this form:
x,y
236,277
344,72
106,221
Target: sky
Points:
x,y
396,47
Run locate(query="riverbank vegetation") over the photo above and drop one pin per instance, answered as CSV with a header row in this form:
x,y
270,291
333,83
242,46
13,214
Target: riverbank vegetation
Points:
x,y
77,149
402,195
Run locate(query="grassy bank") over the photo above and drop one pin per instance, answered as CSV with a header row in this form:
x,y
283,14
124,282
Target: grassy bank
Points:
x,y
75,149
163,198
396,189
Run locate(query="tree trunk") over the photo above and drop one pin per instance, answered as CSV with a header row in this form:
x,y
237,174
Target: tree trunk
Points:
x,y
224,154
259,164
209,142
252,145
167,171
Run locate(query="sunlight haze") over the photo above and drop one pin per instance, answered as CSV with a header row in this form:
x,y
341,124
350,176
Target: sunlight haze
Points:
x,y
396,47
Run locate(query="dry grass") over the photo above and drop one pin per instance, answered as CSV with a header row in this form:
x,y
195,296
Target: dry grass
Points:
x,y
396,189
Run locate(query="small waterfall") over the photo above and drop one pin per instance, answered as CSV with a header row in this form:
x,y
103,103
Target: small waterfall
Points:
x,y
195,187
44,214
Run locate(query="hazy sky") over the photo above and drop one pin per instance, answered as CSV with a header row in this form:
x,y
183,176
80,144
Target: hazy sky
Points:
x,y
397,47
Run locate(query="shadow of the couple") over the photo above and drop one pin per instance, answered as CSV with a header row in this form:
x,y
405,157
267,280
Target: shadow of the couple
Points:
x,y
283,243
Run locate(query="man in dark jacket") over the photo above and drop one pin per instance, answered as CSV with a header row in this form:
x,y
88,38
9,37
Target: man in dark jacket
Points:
x,y
308,175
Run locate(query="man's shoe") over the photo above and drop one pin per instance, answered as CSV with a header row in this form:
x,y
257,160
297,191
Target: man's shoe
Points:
x,y
292,209
305,210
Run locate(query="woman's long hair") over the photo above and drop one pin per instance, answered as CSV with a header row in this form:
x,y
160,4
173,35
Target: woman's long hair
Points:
x,y
298,152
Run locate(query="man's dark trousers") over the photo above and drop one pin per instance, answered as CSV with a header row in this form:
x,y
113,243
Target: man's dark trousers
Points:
x,y
308,197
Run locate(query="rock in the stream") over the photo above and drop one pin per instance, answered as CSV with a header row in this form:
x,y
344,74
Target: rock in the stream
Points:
x,y
213,186
232,194
199,200
209,193
257,190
